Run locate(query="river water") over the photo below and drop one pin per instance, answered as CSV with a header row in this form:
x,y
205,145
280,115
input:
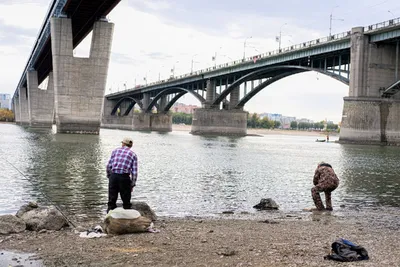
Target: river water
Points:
x,y
185,175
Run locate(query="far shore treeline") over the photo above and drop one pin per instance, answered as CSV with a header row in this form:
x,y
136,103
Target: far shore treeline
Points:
x,y
6,115
254,121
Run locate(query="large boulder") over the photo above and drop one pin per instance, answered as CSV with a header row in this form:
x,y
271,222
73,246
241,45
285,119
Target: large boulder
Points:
x,y
48,218
266,204
120,221
26,208
144,210
10,224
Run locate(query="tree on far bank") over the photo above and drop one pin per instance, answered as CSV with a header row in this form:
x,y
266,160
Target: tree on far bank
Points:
x,y
6,115
180,117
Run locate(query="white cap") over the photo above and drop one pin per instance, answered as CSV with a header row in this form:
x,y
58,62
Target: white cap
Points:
x,y
127,141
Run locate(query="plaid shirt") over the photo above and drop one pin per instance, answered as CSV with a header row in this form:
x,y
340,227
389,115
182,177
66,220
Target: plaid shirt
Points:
x,y
123,160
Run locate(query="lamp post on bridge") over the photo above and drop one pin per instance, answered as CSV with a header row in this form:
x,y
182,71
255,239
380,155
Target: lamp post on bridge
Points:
x,y
191,68
214,58
159,74
173,69
244,47
279,38
330,22
391,14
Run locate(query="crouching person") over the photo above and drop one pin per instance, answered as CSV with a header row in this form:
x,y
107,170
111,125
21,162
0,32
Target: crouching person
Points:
x,y
325,180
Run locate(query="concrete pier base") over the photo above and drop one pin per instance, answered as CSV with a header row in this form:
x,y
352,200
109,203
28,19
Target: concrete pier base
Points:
x,y
219,122
370,121
152,122
117,122
139,122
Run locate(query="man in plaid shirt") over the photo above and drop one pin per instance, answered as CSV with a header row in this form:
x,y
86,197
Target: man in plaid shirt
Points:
x,y
122,174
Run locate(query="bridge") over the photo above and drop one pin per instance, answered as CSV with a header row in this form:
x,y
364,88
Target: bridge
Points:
x,y
75,87
364,58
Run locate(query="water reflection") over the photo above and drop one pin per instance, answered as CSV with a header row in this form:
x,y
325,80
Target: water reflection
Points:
x,y
372,169
182,174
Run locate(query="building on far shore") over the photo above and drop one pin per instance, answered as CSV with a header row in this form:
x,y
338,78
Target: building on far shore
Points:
x,y
180,107
284,120
5,101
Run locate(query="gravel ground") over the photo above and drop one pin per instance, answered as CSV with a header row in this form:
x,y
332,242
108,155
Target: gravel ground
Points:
x,y
214,242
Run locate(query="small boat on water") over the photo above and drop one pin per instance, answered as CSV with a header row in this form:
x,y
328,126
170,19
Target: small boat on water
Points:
x,y
320,140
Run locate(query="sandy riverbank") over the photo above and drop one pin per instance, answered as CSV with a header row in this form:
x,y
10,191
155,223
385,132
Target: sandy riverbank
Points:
x,y
250,131
286,241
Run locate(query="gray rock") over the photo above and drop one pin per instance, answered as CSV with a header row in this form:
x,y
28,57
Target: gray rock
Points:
x,y
48,218
11,224
26,208
266,204
144,210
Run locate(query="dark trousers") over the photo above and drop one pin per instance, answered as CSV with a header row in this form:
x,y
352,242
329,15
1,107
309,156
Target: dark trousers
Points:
x,y
119,183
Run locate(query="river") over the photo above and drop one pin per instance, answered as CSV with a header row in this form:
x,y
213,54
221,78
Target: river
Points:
x,y
185,175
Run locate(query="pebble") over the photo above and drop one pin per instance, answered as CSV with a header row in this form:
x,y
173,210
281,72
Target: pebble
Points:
x,y
228,212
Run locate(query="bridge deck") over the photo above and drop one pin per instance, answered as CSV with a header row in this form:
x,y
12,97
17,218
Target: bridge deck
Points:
x,y
84,13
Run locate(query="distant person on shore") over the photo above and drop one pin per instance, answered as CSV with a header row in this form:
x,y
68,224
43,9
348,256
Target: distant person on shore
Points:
x,y
327,138
122,170
325,180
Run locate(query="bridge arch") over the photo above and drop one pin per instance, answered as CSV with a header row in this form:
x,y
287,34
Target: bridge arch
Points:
x,y
133,102
181,91
283,71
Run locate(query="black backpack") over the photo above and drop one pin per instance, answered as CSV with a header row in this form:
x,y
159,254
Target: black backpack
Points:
x,y
344,250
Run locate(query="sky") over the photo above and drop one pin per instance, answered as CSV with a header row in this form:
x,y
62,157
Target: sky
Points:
x,y
152,37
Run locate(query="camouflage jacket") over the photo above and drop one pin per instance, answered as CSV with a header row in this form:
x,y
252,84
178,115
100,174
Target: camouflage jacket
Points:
x,y
325,174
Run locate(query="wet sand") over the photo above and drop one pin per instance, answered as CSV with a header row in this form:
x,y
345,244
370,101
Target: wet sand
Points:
x,y
282,241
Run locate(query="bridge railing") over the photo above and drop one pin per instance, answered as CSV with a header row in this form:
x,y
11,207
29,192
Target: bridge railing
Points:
x,y
255,58
388,23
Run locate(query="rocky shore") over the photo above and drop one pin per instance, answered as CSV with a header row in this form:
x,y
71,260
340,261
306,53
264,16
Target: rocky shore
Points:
x,y
286,241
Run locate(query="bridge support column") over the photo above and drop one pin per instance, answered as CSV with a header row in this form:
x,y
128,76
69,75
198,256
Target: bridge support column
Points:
x,y
219,122
16,110
23,106
234,98
161,122
41,102
367,117
211,92
79,83
162,103
114,121
146,100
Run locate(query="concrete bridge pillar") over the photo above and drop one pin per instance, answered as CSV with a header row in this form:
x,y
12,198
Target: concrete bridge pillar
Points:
x,y
234,97
16,110
23,106
115,121
219,122
162,103
41,102
146,100
367,117
211,93
146,121
79,83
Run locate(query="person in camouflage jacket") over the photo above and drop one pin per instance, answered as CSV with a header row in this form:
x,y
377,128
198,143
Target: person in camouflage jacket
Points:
x,y
325,180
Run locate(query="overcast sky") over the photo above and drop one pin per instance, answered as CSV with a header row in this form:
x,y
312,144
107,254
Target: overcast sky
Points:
x,y
151,37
